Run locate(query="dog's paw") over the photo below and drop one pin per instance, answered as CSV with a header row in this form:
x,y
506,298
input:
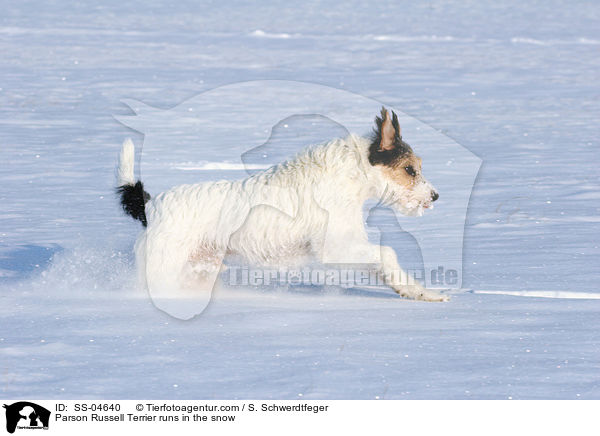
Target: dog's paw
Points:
x,y
434,296
418,292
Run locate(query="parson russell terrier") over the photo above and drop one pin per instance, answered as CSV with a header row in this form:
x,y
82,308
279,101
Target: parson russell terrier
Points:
x,y
308,207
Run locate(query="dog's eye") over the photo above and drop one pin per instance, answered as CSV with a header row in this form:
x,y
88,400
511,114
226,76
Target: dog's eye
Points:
x,y
410,171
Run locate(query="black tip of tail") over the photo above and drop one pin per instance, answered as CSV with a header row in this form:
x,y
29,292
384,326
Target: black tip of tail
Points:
x,y
133,198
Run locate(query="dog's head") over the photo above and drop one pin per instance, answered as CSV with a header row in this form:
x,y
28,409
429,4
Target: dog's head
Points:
x,y
406,189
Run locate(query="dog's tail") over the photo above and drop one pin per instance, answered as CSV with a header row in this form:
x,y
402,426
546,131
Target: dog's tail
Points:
x,y
133,196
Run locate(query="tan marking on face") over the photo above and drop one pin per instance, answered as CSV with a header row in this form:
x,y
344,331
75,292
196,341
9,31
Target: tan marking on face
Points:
x,y
398,174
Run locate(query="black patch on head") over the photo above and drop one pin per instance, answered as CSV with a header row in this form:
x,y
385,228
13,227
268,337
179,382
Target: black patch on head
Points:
x,y
133,199
387,157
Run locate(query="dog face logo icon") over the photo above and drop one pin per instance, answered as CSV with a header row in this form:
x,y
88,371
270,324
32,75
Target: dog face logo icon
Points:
x,y
26,415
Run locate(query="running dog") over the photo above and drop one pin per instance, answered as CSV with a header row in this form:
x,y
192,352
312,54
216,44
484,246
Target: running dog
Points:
x,y
310,207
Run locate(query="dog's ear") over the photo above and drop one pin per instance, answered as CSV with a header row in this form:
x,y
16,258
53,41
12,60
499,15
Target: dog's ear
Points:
x,y
386,140
387,130
396,125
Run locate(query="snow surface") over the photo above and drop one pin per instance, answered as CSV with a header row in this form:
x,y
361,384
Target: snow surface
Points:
x,y
516,83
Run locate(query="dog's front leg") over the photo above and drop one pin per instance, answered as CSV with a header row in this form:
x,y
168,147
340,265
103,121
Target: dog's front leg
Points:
x,y
346,242
353,251
400,282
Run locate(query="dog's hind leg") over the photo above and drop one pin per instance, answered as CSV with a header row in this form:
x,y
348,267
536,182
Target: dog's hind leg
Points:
x,y
177,283
140,260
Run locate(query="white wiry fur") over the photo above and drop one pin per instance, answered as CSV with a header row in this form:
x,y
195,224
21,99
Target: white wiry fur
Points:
x,y
308,207
126,158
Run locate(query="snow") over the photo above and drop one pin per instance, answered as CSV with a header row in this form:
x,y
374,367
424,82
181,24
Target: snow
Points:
x,y
515,83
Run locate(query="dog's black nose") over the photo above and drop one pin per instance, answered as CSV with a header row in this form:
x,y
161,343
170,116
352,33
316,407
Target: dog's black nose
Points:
x,y
434,195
